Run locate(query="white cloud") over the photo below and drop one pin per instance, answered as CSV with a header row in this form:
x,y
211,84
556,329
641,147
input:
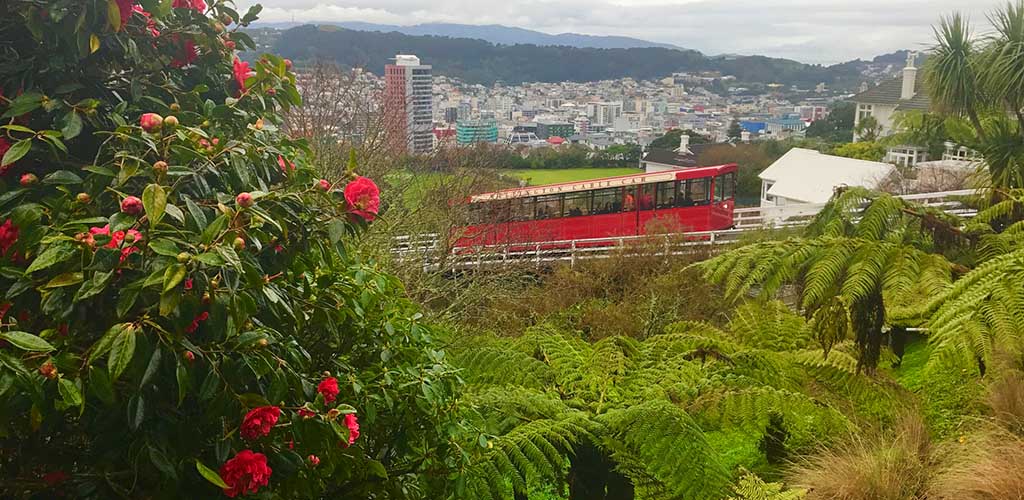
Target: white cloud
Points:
x,y
817,31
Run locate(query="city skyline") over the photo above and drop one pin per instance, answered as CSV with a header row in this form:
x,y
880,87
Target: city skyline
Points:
x,y
825,31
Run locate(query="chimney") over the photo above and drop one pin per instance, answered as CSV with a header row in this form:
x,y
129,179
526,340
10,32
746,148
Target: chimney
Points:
x,y
909,78
745,136
684,144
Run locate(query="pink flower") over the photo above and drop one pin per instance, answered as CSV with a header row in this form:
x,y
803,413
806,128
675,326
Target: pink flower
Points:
x,y
285,168
353,428
258,422
314,460
245,473
303,412
118,238
244,200
187,51
151,122
329,388
197,5
131,205
363,198
188,284
150,24
195,322
125,9
241,71
8,236
324,185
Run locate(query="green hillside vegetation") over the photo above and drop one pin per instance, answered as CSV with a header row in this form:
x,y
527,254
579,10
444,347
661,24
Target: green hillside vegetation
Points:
x,y
477,61
537,177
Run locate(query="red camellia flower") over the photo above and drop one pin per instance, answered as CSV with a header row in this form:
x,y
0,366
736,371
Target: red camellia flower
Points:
x,y
124,8
191,328
241,71
186,51
363,198
303,412
4,146
54,478
258,422
197,5
285,168
329,388
118,238
151,122
353,428
314,460
245,473
150,24
8,236
244,200
131,205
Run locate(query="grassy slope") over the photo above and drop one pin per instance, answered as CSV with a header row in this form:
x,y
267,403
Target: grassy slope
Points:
x,y
538,177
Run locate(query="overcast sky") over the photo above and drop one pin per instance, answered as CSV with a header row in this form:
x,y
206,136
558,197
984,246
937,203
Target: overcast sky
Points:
x,y
814,31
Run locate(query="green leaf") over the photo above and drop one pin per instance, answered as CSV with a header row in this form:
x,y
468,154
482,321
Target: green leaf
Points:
x,y
26,341
62,177
121,221
210,259
55,254
99,381
174,275
169,301
164,247
154,200
375,468
18,150
72,125
336,230
69,392
94,43
341,430
63,280
252,400
96,169
152,367
210,475
181,375
197,213
95,285
24,103
229,256
113,15
214,229
121,352
107,340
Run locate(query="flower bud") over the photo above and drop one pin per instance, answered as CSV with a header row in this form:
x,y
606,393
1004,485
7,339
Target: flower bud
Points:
x,y
48,370
259,124
313,460
333,413
263,343
151,122
244,200
226,19
160,166
183,257
129,237
171,121
288,63
190,356
28,179
324,185
271,91
218,27
229,44
175,107
83,198
131,205
239,244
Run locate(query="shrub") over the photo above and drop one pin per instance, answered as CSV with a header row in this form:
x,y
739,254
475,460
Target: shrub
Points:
x,y
984,466
178,295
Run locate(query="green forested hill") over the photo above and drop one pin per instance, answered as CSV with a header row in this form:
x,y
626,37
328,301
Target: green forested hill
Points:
x,y
478,61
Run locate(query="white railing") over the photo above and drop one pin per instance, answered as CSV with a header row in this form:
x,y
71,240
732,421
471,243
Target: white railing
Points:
x,y
427,249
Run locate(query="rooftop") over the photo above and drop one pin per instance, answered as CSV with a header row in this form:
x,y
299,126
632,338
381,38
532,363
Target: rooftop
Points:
x,y
888,93
808,176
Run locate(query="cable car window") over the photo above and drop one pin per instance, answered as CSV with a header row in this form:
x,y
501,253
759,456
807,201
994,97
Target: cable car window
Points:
x,y
725,186
499,211
607,201
549,206
696,192
577,204
476,213
645,197
666,197
522,208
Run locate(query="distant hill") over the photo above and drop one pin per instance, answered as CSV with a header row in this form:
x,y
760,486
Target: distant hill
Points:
x,y
493,33
477,61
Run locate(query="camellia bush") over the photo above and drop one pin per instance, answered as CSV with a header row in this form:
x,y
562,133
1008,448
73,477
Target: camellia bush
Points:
x,y
183,309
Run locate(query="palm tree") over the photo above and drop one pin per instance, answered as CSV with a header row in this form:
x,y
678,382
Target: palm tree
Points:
x,y
951,75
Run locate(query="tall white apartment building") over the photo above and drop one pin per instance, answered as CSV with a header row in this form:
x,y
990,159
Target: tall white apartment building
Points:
x,y
408,98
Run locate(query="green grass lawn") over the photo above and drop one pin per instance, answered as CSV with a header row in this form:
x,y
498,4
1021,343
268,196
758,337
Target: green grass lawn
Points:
x,y
537,177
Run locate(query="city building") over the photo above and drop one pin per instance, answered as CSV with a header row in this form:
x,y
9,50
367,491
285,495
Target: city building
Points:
x,y
885,100
546,129
408,99
605,113
474,131
451,114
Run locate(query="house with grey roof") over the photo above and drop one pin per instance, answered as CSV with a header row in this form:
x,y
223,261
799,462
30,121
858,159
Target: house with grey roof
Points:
x,y
902,93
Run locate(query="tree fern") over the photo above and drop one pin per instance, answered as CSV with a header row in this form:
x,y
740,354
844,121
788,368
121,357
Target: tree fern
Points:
x,y
751,487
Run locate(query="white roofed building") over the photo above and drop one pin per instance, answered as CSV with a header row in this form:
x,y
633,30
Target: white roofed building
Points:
x,y
807,176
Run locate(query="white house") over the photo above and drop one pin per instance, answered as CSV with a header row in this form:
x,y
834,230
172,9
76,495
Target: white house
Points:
x,y
903,93
805,176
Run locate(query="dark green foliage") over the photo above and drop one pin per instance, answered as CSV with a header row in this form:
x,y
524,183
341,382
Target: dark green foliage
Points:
x,y
477,61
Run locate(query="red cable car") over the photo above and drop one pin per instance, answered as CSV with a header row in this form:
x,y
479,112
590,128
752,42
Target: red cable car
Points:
x,y
676,201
